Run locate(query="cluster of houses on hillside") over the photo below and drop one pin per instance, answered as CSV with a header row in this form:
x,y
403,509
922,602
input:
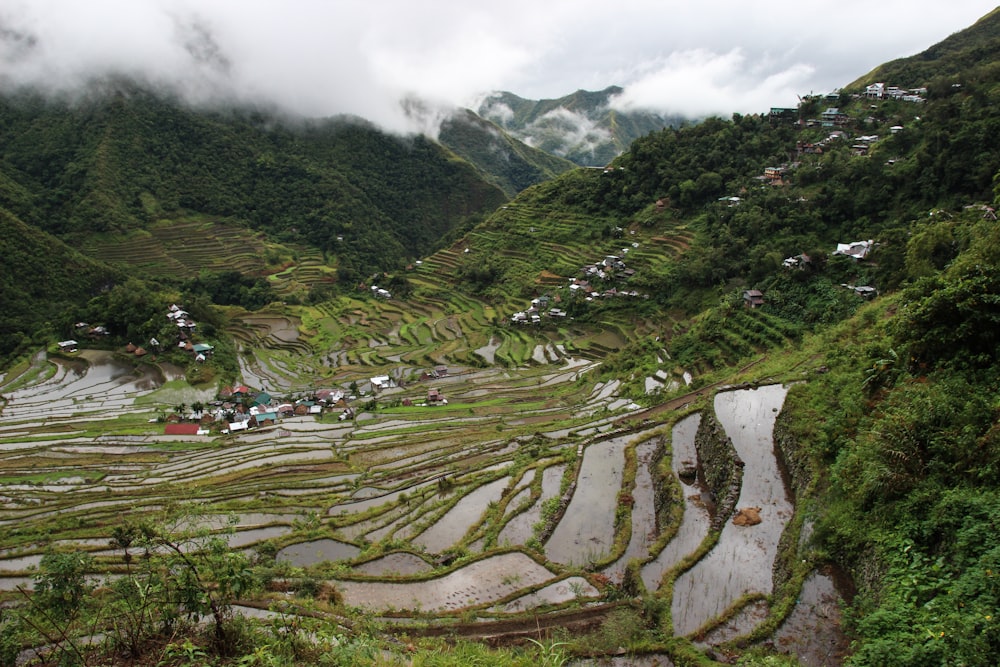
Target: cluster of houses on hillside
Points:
x,y
539,306
185,332
776,175
240,408
856,250
880,91
833,116
609,270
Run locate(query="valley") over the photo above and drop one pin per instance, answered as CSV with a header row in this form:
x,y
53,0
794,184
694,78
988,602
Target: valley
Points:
x,y
281,391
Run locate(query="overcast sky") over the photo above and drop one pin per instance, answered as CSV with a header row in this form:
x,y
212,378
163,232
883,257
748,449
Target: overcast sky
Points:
x,y
324,57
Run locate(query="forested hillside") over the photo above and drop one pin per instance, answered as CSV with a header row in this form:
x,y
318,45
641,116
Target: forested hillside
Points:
x,y
504,161
122,157
43,282
162,190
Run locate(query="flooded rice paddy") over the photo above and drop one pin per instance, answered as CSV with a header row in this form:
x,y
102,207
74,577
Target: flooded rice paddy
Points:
x,y
742,560
527,495
586,530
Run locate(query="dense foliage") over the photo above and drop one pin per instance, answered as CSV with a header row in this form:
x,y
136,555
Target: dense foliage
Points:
x,y
509,164
44,283
124,156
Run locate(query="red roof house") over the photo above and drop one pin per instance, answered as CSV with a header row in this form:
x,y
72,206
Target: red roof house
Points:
x,y
181,429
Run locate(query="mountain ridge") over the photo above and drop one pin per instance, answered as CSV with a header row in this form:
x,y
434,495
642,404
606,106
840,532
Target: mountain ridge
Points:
x,y
582,127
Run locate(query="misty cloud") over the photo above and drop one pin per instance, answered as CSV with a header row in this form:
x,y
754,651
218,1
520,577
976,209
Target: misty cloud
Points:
x,y
700,83
497,111
321,58
563,132
15,44
200,44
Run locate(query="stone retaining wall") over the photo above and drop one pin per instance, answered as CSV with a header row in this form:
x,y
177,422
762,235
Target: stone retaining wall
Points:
x,y
721,467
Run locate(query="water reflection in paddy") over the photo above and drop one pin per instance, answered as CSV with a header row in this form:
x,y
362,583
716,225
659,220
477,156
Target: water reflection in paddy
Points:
x,y
586,531
742,560
696,520
305,554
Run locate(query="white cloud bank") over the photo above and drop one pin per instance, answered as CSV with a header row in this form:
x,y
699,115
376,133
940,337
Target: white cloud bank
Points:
x,y
325,57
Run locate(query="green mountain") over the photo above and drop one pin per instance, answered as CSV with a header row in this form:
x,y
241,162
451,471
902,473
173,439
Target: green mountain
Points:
x,y
509,164
581,127
888,344
124,157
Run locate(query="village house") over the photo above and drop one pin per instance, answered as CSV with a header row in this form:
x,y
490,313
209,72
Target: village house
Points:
x,y
263,419
799,262
753,298
775,175
783,115
875,91
184,429
381,382
833,117
856,250
237,426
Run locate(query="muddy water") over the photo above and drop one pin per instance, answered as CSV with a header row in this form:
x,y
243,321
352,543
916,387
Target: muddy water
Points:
x,y
565,590
519,529
456,522
477,583
587,529
245,538
100,378
13,583
20,563
488,351
643,511
812,632
305,554
742,560
696,519
368,502
395,563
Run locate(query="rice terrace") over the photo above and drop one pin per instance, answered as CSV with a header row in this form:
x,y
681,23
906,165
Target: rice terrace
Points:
x,y
432,467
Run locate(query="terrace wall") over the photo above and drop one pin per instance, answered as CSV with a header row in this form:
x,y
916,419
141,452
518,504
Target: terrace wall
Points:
x,y
721,467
